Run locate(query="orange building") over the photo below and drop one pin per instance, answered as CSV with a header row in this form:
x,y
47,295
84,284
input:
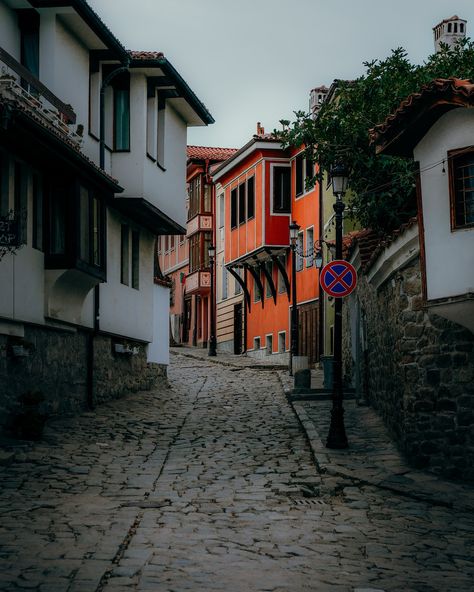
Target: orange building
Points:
x,y
184,260
264,190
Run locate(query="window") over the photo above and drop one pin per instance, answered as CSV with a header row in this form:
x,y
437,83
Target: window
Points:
x,y
299,179
237,286
37,192
269,266
221,211
207,198
130,257
151,126
194,192
241,203
299,252
309,247
172,242
250,198
91,228
28,22
199,251
257,295
121,86
281,282
269,344
124,250
256,343
462,190
303,172
20,199
281,342
281,190
233,208
224,282
135,259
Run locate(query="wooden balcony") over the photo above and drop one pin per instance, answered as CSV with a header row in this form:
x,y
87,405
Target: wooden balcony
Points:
x,y
18,85
198,281
200,223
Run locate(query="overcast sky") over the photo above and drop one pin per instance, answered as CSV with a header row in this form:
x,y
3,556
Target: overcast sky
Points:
x,y
256,60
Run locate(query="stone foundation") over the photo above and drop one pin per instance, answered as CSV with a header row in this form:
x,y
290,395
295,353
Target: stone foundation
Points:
x,y
419,374
55,363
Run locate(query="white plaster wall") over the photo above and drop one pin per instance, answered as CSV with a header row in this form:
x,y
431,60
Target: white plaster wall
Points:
x,y
123,309
71,76
141,177
9,32
158,350
167,189
449,255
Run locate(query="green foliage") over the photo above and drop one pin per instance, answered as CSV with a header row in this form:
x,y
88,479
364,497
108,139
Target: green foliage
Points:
x,y
382,188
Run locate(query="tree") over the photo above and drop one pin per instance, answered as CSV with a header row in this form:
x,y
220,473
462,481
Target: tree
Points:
x,y
382,188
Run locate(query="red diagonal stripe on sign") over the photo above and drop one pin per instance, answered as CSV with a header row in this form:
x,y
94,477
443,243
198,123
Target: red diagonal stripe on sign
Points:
x,y
338,279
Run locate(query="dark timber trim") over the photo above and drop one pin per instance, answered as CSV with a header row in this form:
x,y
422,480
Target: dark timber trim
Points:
x,y
243,285
263,267
258,281
284,275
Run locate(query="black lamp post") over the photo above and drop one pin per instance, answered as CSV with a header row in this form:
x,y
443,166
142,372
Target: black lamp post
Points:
x,y
212,336
294,227
337,433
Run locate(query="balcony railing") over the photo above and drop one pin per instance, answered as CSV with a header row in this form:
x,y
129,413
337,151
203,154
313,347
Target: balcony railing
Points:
x,y
17,83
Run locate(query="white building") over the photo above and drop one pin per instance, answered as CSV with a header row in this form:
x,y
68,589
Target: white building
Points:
x,y
77,297
436,126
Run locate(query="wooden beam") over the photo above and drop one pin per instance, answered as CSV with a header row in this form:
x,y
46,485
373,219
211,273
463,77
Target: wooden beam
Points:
x,y
242,284
284,275
269,278
258,281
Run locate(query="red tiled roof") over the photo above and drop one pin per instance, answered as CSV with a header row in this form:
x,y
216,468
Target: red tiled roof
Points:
x,y
403,128
146,55
371,243
209,153
18,106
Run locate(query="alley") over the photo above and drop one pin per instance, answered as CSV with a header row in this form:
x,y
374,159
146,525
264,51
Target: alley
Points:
x,y
210,485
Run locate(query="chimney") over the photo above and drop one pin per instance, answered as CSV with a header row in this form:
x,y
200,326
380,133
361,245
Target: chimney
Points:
x,y
260,129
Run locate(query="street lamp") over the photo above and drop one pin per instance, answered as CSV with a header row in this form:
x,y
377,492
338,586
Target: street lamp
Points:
x,y
294,227
212,336
337,433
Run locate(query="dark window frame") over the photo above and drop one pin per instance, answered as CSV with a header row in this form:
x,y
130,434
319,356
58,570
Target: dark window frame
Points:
x,y
457,159
242,204
251,197
281,189
121,87
233,208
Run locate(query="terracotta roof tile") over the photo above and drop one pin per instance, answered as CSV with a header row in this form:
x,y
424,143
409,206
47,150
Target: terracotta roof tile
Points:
x,y
371,243
18,106
209,153
146,55
453,91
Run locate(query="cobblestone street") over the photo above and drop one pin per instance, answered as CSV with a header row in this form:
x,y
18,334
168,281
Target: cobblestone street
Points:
x,y
211,485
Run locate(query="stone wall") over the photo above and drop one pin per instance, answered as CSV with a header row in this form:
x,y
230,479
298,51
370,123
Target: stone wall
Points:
x,y
420,374
55,363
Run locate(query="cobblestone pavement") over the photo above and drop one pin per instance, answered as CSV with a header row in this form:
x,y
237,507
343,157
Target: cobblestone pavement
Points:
x,y
211,485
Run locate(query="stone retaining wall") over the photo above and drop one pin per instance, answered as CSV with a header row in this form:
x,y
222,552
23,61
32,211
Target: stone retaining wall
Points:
x,y
420,374
54,362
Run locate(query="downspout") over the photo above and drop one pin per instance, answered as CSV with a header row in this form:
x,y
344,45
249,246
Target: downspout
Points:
x,y
96,300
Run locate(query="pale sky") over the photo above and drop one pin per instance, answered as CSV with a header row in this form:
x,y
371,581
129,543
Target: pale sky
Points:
x,y
257,60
